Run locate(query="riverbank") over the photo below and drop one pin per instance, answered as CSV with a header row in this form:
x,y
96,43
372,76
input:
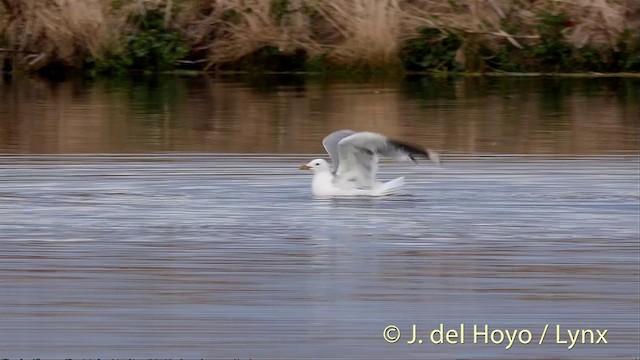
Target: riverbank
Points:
x,y
497,36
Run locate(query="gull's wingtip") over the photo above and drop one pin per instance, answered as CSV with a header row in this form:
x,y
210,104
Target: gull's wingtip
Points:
x,y
411,150
434,156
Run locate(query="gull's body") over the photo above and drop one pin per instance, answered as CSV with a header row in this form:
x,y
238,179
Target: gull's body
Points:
x,y
355,163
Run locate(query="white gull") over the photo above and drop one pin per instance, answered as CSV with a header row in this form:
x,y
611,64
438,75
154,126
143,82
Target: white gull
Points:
x,y
355,163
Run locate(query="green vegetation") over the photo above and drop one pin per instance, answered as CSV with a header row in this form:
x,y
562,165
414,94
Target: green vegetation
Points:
x,y
107,37
279,9
270,58
151,47
433,50
553,53
628,56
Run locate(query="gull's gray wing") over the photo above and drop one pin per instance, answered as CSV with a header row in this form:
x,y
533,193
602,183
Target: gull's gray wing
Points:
x,y
358,157
330,143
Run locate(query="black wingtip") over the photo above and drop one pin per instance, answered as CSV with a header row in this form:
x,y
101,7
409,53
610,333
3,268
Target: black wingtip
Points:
x,y
434,156
412,150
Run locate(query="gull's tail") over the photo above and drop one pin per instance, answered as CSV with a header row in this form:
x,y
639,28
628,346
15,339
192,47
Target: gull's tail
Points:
x,y
389,187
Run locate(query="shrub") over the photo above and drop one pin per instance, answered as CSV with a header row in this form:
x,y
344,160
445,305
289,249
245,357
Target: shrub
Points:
x,y
150,47
434,49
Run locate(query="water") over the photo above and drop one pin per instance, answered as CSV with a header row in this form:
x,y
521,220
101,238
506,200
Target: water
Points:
x,y
131,230
290,115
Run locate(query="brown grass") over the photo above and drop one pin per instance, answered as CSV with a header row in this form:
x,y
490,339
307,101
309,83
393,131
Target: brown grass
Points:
x,y
366,33
360,33
65,31
370,31
230,31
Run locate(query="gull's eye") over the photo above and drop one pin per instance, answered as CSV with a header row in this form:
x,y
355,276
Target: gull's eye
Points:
x,y
317,164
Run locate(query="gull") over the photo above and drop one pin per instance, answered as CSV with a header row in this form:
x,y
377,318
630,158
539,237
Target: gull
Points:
x,y
355,162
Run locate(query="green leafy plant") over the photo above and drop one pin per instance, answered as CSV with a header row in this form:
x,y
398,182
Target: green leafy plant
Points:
x,y
151,48
553,52
628,55
279,9
318,63
108,64
434,49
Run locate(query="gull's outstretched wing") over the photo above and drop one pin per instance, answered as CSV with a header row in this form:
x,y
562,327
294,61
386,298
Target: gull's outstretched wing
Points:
x,y
358,157
330,143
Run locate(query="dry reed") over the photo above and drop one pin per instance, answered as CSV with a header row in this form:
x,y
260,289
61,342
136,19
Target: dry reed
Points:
x,y
369,33
63,31
360,33
233,29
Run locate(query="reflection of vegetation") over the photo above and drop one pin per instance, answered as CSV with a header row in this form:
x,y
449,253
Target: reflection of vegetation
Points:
x,y
428,88
470,114
149,93
271,83
553,102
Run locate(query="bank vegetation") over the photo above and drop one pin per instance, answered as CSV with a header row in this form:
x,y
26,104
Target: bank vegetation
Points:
x,y
118,36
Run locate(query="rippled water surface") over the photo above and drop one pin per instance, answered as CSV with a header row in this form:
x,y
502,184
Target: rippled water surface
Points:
x,y
167,232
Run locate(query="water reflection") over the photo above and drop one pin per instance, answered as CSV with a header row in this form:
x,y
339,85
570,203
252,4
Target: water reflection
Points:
x,y
290,114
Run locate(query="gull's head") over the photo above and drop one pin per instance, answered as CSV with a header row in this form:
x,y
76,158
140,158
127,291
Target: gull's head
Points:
x,y
317,165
